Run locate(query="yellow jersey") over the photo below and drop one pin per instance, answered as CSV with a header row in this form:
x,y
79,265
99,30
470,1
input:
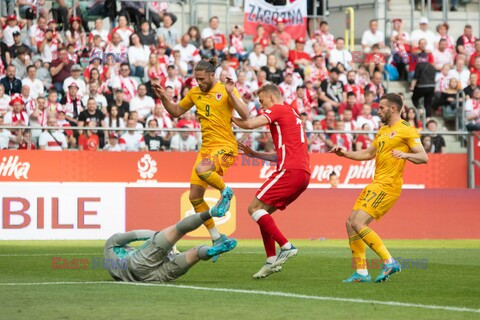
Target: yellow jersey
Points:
x,y
214,110
400,136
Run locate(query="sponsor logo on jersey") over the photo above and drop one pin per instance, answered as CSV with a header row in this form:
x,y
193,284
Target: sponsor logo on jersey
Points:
x,y
219,96
11,167
393,134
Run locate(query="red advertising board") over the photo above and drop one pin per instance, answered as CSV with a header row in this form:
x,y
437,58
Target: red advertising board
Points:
x,y
442,171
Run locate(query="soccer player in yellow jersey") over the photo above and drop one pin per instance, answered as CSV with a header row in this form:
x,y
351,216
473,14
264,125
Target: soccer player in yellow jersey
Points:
x,y
215,103
394,143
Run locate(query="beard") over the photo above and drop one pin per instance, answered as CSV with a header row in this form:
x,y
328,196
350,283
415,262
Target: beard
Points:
x,y
351,81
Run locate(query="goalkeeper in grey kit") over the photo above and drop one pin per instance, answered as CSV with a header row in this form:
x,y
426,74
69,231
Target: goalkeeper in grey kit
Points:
x,y
155,260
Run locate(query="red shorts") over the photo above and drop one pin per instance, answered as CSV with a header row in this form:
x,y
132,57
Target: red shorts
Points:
x,y
283,187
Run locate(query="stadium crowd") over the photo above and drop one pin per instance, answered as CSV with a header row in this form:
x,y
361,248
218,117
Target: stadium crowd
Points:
x,y
58,72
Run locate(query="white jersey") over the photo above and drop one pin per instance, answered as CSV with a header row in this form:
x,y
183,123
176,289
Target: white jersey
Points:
x,y
288,91
36,87
189,53
54,141
132,142
177,143
4,104
144,106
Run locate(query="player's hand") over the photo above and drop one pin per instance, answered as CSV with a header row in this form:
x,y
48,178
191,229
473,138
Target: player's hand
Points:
x,y
229,85
246,150
397,154
338,150
158,89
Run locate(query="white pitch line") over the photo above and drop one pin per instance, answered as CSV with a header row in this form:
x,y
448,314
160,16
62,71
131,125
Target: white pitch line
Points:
x,y
259,292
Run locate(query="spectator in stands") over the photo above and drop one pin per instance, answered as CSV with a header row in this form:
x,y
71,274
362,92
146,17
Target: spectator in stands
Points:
x,y
225,66
188,53
26,142
60,69
277,48
138,55
298,56
476,53
36,86
353,87
208,49
301,103
367,117
52,104
340,55
92,114
423,85
11,84
437,141
99,98
350,104
274,74
334,180
332,92
329,123
442,79
257,58
49,46
288,88
466,42
318,142
342,139
72,104
122,105
17,116
9,28
327,37
318,72
363,140
472,110
163,121
442,56
424,33
167,34
142,103
52,140
195,36
475,69
242,85
89,140
261,37
38,117
99,31
283,36
442,30
219,38
376,86
4,101
460,72
114,120
125,82
75,36
183,141
410,115
472,85
75,76
147,36
375,60
153,141
6,137
132,140
43,73
112,144
18,44
374,36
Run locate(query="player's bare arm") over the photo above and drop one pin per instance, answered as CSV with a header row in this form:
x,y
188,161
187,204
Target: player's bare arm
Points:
x,y
172,108
240,106
360,155
251,123
260,155
417,155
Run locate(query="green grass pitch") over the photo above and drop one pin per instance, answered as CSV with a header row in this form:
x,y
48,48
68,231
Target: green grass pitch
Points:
x,y
309,287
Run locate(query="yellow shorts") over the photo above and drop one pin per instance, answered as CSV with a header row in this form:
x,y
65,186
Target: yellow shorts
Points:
x,y
221,157
376,200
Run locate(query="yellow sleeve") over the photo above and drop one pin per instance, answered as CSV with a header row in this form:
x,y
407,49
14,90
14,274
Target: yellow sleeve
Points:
x,y
187,102
236,93
412,137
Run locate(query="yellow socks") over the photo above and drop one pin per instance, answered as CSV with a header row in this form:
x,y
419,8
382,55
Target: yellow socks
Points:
x,y
213,179
372,239
358,248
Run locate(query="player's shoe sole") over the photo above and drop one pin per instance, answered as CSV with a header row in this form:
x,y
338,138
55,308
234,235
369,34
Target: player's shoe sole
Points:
x,y
284,255
356,277
222,206
216,243
267,270
225,246
388,270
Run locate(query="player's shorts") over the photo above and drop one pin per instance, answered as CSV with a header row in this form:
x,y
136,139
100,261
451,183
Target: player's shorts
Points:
x,y
221,157
283,187
376,200
152,261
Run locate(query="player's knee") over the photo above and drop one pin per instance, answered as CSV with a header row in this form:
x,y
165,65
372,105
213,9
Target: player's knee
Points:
x,y
252,208
357,225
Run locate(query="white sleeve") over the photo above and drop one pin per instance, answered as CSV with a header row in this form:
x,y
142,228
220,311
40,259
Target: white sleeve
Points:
x,y
468,106
64,141
175,142
42,141
131,55
364,38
